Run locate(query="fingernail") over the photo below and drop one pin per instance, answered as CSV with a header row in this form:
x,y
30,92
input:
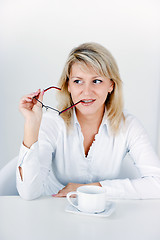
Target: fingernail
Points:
x,y
35,93
54,195
43,92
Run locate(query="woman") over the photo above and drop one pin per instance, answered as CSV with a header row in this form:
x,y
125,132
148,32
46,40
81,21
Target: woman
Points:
x,y
87,143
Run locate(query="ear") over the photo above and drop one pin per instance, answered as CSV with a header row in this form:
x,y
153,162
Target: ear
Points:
x,y
111,86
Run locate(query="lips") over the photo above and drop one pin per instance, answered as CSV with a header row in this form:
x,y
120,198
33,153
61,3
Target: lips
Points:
x,y
87,101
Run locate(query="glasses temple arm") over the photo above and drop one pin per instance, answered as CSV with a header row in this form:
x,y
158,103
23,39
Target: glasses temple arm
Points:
x,y
60,112
39,101
51,88
69,107
45,105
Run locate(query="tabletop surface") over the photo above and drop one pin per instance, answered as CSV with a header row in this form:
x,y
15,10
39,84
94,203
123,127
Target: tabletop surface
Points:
x,y
45,218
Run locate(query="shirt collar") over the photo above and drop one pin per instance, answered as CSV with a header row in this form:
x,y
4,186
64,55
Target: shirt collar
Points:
x,y
104,120
75,120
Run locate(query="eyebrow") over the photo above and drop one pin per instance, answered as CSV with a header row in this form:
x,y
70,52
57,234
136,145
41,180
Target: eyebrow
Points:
x,y
82,78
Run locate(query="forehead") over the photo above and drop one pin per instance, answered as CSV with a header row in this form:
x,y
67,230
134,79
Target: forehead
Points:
x,y
83,69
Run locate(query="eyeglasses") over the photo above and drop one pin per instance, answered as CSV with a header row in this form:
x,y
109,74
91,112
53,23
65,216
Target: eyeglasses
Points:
x,y
48,107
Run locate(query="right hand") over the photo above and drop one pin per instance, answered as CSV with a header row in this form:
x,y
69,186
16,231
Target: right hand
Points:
x,y
30,108
32,112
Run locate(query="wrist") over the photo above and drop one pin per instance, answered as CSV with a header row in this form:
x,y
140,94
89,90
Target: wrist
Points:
x,y
32,122
95,184
31,132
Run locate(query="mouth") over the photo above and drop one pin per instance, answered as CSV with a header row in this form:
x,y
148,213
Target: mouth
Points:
x,y
87,101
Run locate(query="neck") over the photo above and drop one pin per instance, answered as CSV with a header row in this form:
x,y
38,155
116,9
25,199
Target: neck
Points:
x,y
92,120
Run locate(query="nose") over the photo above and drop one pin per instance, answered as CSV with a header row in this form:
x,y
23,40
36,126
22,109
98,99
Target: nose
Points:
x,y
87,89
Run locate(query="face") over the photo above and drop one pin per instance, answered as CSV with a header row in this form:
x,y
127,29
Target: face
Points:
x,y
86,85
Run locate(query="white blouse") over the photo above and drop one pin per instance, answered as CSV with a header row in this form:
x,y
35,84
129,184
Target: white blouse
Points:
x,y
58,158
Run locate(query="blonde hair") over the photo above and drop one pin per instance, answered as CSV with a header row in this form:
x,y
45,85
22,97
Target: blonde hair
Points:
x,y
101,60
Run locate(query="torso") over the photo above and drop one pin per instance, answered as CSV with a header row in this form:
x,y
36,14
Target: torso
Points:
x,y
90,127
89,137
65,151
88,140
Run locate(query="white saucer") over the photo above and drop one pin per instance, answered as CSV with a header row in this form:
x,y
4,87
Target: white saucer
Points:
x,y
110,207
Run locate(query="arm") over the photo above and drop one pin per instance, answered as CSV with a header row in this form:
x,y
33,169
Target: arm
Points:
x,y
32,112
147,162
35,157
70,187
36,163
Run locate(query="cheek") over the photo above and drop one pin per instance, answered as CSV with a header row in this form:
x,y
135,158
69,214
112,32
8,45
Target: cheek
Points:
x,y
69,88
103,93
73,90
103,96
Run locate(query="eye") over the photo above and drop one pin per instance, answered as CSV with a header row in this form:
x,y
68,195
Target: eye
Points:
x,y
77,81
97,81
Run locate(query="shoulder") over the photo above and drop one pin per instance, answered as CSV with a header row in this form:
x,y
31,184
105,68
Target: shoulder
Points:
x,y
132,126
131,120
51,116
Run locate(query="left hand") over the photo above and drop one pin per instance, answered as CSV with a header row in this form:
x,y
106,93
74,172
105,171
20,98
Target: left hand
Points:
x,y
70,187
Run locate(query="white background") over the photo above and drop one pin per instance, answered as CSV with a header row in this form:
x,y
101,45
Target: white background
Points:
x,y
37,35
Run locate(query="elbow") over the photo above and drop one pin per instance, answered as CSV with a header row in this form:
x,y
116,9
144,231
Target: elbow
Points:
x,y
28,192
151,187
27,195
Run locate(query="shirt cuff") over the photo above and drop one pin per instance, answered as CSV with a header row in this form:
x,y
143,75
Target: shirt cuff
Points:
x,y
113,189
24,151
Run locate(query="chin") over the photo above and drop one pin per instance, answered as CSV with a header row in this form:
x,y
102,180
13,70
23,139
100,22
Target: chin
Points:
x,y
87,111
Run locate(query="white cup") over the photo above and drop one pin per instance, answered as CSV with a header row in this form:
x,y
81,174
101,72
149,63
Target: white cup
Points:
x,y
91,199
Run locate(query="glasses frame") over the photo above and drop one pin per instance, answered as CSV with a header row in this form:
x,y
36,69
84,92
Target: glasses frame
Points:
x,y
54,109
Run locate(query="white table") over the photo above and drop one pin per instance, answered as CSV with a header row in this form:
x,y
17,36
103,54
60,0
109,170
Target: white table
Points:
x,y
45,219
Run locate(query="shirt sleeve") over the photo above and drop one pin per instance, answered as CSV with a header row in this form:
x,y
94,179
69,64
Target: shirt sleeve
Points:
x,y
36,164
147,163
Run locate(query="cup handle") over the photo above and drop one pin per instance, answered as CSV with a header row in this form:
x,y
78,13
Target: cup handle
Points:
x,y
69,200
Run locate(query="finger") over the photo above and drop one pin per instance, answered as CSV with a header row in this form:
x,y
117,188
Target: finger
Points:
x,y
26,99
29,97
73,196
34,94
54,195
27,105
61,194
40,97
